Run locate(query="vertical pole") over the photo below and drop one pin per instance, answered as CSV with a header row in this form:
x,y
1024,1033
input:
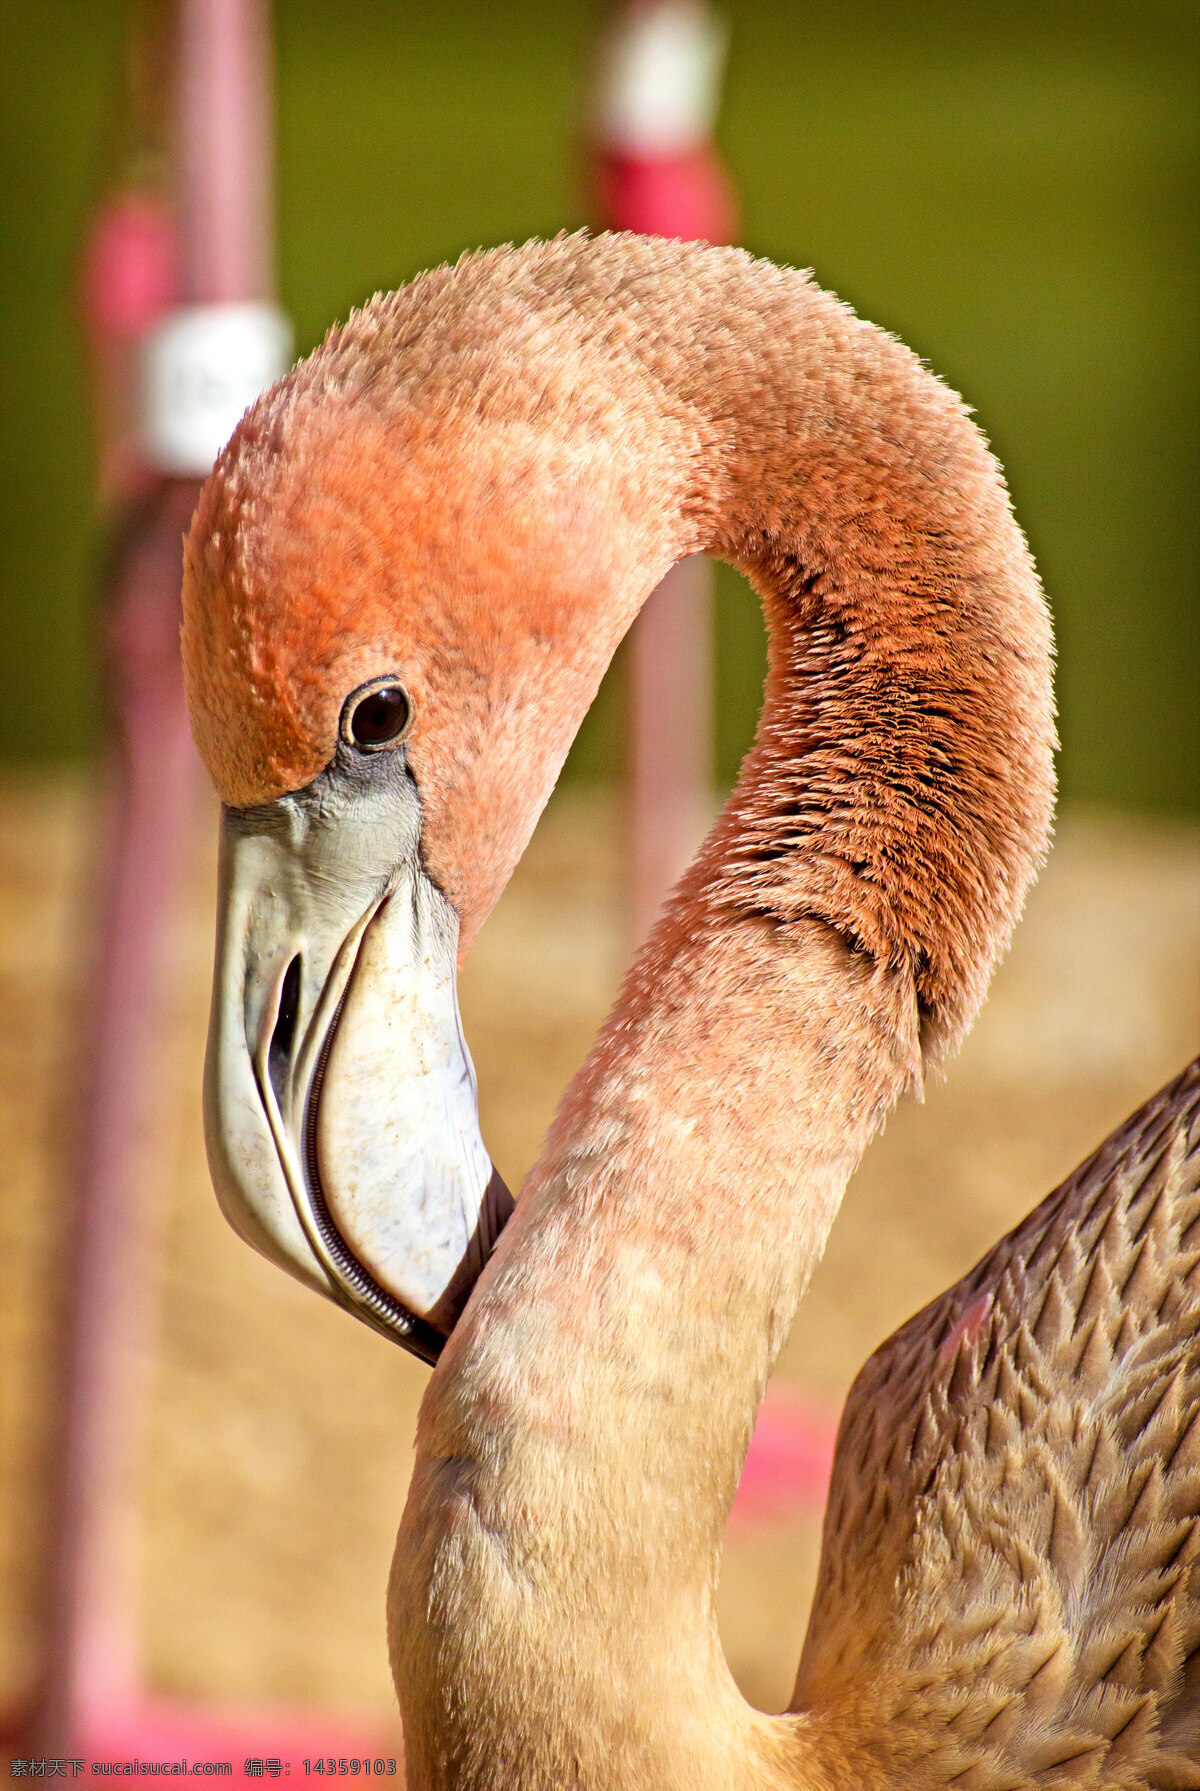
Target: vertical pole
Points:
x,y
657,173
225,159
203,365
670,745
93,1669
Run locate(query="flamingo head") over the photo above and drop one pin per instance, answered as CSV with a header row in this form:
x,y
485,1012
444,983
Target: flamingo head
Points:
x,y
403,582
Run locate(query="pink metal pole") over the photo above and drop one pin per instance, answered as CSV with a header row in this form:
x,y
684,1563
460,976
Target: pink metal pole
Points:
x,y
93,1681
657,173
225,151
93,1656
670,744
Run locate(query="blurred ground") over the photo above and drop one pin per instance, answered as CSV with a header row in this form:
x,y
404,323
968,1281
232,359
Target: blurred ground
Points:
x,y
280,1430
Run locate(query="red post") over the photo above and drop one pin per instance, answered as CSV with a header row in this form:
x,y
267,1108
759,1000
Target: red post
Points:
x,y
656,172
203,363
225,152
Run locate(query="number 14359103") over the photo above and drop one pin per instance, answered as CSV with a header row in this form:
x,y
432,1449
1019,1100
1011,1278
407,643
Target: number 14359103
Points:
x,y
339,1768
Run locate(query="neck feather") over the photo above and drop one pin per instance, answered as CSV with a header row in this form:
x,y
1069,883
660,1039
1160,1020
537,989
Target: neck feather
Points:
x,y
552,1603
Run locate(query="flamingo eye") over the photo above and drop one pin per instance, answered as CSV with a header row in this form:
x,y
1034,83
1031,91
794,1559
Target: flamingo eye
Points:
x,y
376,716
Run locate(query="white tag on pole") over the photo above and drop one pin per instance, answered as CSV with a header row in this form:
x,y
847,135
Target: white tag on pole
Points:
x,y
660,76
201,369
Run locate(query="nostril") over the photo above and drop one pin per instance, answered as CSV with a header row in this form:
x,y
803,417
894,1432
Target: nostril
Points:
x,y
279,1052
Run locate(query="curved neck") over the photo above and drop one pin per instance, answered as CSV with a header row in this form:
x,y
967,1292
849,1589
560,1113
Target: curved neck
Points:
x,y
901,781
552,1602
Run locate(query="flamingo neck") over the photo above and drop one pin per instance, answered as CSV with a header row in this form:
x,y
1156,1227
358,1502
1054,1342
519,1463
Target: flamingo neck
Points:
x,y
552,1603
552,1600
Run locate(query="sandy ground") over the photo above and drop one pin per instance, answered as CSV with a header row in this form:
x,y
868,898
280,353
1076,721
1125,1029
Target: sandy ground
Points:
x,y
279,1430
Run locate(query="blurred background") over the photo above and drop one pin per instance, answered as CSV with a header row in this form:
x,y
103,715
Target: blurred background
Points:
x,y
1010,188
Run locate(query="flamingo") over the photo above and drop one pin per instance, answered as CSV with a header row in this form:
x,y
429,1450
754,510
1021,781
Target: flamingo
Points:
x,y
404,579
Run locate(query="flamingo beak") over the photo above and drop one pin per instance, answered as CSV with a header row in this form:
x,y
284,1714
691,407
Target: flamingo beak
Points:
x,y
340,1106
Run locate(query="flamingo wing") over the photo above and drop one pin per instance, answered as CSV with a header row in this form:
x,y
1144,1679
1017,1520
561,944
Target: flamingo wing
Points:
x,y
1009,1591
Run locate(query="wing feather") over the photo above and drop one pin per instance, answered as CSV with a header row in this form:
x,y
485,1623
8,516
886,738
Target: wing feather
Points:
x,y
1009,1591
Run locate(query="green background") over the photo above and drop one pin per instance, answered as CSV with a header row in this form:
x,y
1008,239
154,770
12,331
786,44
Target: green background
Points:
x,y
1011,188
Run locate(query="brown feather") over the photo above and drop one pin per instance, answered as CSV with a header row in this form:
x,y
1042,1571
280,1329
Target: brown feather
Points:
x,y
1010,1584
